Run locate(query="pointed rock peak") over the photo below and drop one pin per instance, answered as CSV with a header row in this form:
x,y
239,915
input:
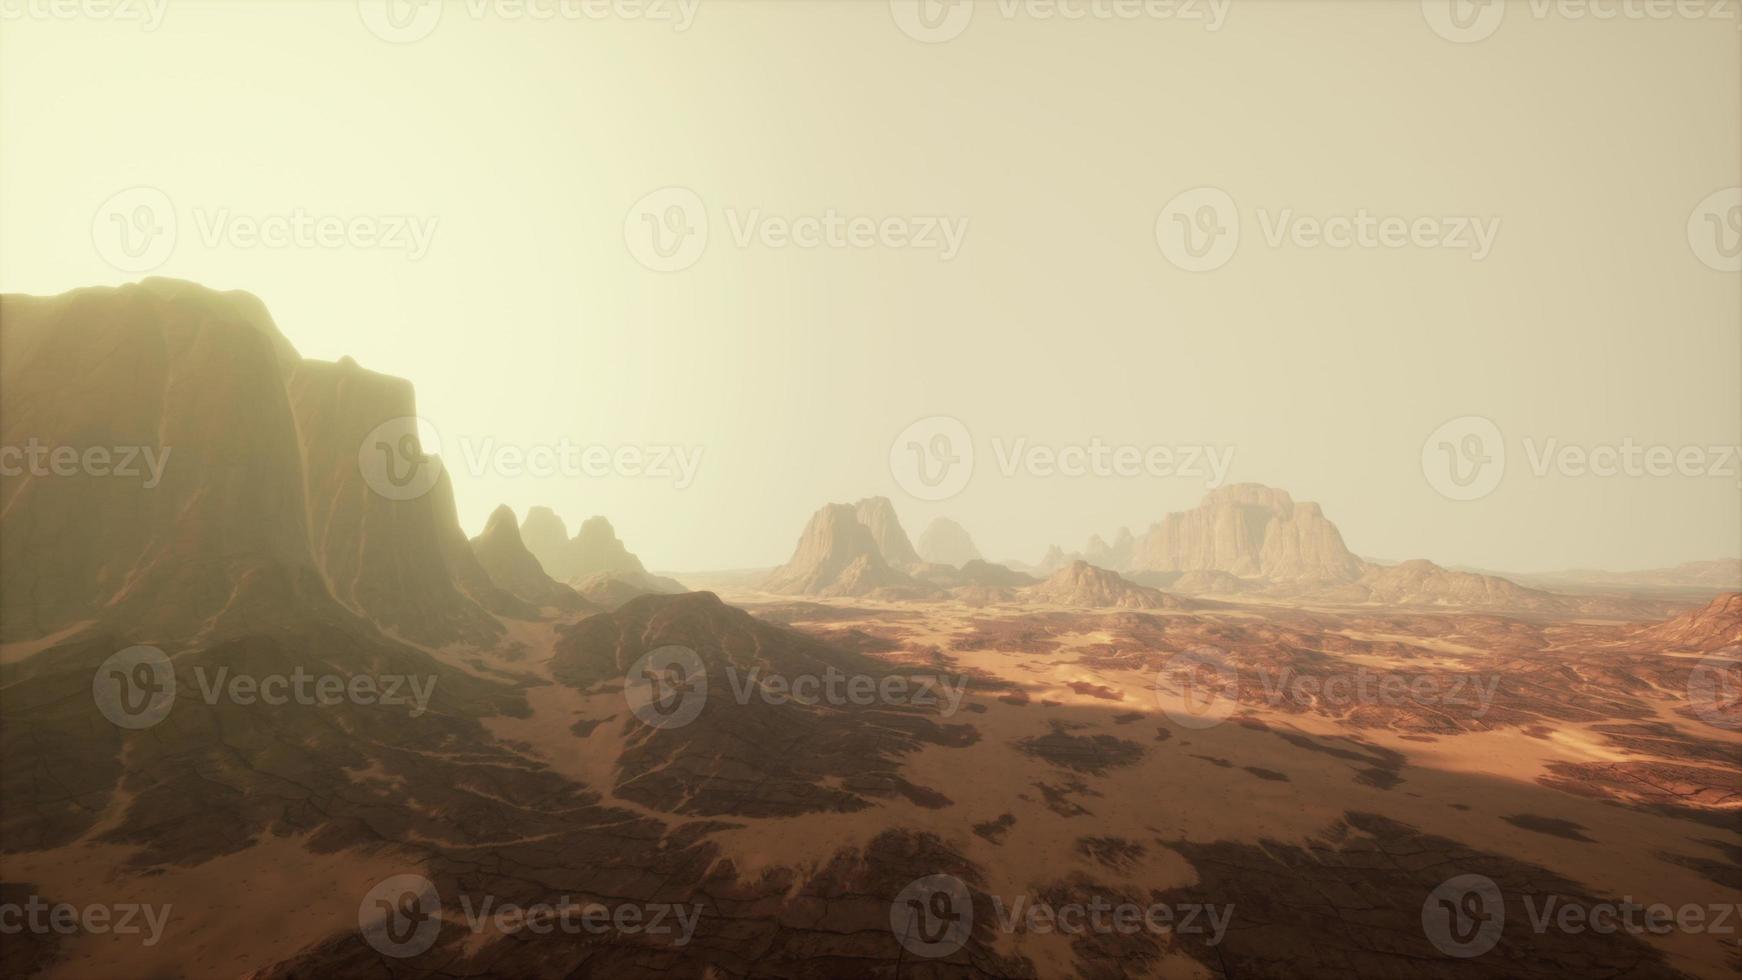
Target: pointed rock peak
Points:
x,y
878,516
501,524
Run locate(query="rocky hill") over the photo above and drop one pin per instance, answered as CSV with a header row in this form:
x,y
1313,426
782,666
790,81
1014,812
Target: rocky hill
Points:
x,y
1082,585
944,542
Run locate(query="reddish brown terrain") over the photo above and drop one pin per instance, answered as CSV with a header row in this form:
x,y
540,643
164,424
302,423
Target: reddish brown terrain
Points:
x,y
1292,764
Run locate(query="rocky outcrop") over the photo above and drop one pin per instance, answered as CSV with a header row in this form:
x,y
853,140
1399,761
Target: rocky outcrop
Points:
x,y
835,555
511,567
845,755
257,513
944,542
1084,586
547,537
1249,531
1423,583
594,550
1714,627
878,516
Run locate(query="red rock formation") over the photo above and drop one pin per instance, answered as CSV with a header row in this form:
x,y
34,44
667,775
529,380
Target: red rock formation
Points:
x,y
1250,531
836,555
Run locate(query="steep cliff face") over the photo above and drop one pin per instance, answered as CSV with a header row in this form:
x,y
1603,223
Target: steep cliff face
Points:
x,y
400,562
836,555
1249,531
261,512
158,458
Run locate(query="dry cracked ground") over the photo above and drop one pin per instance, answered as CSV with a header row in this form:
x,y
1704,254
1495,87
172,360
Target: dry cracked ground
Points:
x,y
854,788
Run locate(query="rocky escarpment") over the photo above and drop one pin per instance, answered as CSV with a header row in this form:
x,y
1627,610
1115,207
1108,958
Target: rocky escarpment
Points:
x,y
247,505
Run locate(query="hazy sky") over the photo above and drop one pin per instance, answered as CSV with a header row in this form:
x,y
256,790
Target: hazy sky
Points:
x,y
1538,245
